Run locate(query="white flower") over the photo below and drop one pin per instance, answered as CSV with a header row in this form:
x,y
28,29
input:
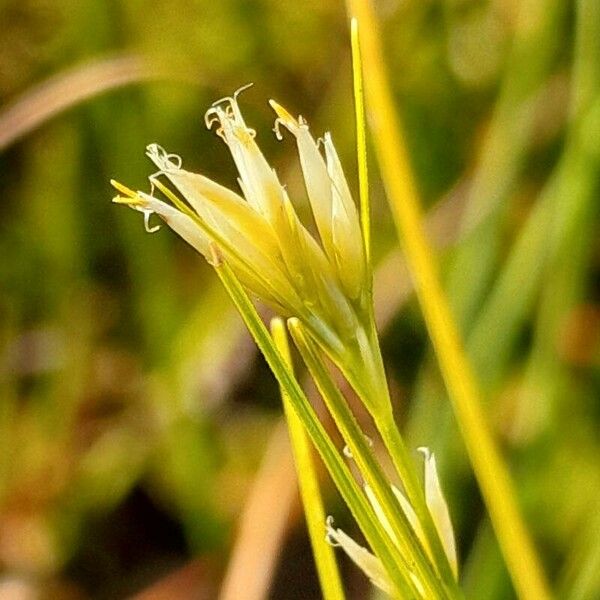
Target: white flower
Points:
x,y
259,232
331,202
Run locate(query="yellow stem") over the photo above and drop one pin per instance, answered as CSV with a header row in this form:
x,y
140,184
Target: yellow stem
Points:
x,y
491,472
308,482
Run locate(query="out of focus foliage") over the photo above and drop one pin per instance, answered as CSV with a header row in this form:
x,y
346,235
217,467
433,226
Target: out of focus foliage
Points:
x,y
133,411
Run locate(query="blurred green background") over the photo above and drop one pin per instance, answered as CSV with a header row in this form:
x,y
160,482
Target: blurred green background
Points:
x,y
134,411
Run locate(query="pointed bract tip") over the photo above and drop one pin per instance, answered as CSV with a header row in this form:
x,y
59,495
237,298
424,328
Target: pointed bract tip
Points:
x,y
285,117
122,188
293,324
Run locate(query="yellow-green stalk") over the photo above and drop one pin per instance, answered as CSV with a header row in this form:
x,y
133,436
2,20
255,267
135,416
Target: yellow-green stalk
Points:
x,y
308,483
490,470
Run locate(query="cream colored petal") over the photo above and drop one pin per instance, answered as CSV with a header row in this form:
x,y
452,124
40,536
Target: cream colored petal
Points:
x,y
380,514
406,508
183,225
411,515
368,563
254,244
346,231
331,202
264,192
314,170
439,508
262,188
229,213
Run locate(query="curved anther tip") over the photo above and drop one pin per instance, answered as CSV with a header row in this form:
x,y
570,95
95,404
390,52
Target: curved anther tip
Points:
x,y
425,451
232,99
155,150
277,129
242,89
212,116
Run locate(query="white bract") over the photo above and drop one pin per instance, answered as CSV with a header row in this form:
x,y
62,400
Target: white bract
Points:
x,y
369,563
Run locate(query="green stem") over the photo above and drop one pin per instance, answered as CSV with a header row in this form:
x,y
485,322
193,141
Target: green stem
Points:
x,y
364,514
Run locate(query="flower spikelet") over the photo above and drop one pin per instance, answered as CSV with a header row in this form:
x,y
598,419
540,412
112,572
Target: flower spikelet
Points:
x,y
321,281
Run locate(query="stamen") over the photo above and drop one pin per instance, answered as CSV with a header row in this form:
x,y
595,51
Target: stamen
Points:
x,y
135,201
285,118
282,113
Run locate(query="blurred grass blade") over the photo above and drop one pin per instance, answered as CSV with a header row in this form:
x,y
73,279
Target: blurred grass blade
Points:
x,y
67,89
372,529
308,481
263,523
491,473
581,579
536,42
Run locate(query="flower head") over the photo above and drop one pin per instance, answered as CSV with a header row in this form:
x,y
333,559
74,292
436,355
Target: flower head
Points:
x,y
259,233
